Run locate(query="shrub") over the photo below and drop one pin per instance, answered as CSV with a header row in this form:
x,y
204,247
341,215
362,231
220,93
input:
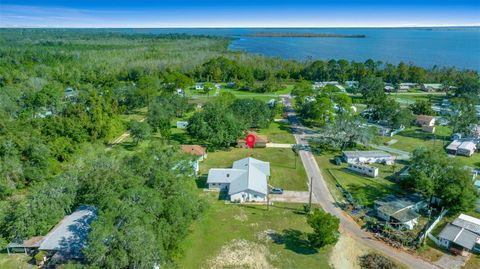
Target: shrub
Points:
x,y
376,261
40,257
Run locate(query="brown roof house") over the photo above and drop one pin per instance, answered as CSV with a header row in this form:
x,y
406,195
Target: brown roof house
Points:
x,y
198,151
424,120
260,141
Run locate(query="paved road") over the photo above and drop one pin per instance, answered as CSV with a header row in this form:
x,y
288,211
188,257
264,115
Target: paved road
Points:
x,y
325,199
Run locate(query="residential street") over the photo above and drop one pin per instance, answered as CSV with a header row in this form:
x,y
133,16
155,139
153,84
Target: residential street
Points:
x,y
325,199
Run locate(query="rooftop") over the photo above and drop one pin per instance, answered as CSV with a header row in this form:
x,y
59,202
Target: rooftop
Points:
x,y
399,208
194,150
258,138
367,154
247,173
424,118
459,236
468,222
70,235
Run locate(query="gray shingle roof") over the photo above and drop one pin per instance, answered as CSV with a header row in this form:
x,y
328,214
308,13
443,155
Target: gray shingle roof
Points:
x,y
246,174
70,235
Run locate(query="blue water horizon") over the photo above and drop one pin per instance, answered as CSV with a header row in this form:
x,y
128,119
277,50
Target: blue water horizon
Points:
x,y
423,46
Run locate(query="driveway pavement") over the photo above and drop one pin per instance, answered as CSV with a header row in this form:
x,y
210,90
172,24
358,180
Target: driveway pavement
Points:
x,y
277,145
292,197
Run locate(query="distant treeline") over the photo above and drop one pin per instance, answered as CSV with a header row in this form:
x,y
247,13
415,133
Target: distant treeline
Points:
x,y
290,34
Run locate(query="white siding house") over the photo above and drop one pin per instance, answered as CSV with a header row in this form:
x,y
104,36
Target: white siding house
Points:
x,y
246,181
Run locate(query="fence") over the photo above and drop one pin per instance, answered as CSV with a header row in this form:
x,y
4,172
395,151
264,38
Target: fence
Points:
x,y
434,239
427,232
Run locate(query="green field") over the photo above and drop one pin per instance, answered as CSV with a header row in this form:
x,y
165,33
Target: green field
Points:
x,y
413,138
278,132
245,236
287,171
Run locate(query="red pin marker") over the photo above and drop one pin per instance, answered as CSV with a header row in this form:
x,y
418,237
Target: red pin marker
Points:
x,y
250,139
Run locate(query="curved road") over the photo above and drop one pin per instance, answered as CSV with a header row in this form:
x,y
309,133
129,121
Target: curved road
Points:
x,y
325,199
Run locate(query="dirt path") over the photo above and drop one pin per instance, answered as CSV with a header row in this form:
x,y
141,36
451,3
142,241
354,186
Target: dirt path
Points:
x,y
346,252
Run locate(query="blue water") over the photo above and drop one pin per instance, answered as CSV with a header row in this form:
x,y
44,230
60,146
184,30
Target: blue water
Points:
x,y
427,47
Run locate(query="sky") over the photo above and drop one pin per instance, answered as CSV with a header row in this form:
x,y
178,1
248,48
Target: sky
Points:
x,y
235,13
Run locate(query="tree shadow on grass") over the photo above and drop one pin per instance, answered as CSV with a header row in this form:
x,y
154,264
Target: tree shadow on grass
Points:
x,y
201,182
285,127
130,146
293,240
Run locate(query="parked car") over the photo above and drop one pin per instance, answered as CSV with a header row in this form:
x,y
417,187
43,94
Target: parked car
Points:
x,y
276,191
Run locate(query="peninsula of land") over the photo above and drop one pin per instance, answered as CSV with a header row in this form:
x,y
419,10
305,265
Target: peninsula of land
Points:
x,y
289,34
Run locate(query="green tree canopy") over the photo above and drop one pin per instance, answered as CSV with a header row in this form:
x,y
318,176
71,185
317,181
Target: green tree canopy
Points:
x,y
325,228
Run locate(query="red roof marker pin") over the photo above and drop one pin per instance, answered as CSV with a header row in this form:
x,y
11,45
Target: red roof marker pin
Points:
x,y
250,140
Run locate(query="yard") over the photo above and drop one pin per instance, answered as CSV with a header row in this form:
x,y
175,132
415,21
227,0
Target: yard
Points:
x,y
287,171
278,132
245,236
364,189
15,261
413,138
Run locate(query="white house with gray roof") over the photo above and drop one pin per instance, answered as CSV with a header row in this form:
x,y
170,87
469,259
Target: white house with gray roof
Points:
x,y
462,235
246,181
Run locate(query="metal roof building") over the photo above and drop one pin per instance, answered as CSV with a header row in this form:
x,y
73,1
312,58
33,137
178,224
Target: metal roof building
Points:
x,y
69,236
246,175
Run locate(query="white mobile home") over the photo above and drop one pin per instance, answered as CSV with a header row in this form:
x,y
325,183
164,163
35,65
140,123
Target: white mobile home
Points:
x,y
367,157
367,170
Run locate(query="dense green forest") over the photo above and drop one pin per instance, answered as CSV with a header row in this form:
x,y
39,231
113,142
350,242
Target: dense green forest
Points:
x,y
61,96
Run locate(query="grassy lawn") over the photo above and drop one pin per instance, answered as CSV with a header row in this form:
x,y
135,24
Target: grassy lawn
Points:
x,y
413,138
284,172
365,189
473,262
244,236
136,114
278,132
15,261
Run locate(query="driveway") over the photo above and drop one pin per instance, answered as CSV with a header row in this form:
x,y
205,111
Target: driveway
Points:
x,y
292,197
448,261
347,224
277,145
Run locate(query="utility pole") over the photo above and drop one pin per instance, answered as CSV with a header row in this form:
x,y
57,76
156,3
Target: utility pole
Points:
x,y
268,198
310,196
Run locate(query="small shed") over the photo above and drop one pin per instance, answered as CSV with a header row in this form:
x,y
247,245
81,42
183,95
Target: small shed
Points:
x,y
260,141
182,124
424,120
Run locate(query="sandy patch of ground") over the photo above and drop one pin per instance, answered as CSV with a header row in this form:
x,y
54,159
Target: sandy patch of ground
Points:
x,y
240,253
346,252
241,216
265,236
